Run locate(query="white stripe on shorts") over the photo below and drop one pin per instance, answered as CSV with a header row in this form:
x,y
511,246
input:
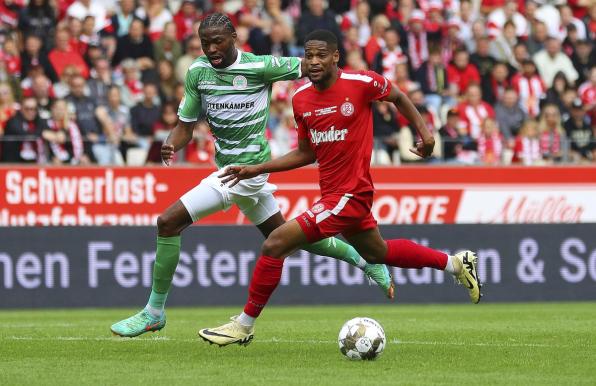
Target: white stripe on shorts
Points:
x,y
335,211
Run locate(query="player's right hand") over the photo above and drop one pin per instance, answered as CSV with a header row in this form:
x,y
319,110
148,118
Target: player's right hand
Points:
x,y
233,174
167,153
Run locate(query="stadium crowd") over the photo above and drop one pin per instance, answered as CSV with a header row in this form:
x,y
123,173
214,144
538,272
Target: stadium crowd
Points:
x,y
498,81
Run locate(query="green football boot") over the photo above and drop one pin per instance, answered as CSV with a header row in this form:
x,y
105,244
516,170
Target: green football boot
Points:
x,y
379,273
139,324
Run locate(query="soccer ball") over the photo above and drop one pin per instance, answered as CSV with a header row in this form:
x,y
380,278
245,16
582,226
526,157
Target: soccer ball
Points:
x,y
361,339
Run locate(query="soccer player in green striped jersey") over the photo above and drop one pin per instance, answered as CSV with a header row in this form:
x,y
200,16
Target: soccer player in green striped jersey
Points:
x,y
234,90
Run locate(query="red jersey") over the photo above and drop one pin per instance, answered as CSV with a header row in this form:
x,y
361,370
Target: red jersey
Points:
x,y
337,122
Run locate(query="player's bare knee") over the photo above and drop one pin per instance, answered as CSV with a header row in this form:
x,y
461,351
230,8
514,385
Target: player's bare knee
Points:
x,y
273,246
166,225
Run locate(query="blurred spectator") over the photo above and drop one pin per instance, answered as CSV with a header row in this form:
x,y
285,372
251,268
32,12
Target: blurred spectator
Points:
x,y
385,128
355,61
41,89
119,115
136,45
317,17
500,16
501,48
587,93
34,55
461,72
63,55
167,46
8,106
161,129
376,41
94,123
9,54
458,145
144,115
185,18
467,16
417,41
527,145
473,110
158,14
482,58
358,18
65,143
132,87
554,95
38,19
167,80
100,82
490,143
389,56
494,85
274,43
551,134
243,35
402,79
530,88
201,149
193,51
567,20
520,53
22,135
537,40
580,134
583,60
509,114
432,77
551,60
88,36
408,137
83,8
274,15
119,24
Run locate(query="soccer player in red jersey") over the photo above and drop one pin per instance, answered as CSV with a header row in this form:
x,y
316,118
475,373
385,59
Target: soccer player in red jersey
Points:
x,y
334,120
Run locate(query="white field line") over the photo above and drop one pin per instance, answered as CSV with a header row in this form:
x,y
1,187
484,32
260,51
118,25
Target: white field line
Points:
x,y
277,340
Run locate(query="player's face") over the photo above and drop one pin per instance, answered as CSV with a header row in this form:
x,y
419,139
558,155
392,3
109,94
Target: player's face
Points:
x,y
321,60
218,45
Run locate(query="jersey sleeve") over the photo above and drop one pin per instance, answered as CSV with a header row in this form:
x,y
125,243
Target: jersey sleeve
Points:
x,y
378,87
190,105
299,119
281,68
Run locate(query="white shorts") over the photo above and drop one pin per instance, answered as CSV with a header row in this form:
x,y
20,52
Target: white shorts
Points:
x,y
254,197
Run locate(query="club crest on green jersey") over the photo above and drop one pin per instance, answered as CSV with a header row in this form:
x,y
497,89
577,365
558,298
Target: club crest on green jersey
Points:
x,y
239,82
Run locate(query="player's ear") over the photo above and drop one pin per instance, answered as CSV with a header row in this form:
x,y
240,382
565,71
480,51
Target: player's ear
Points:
x,y
234,36
336,57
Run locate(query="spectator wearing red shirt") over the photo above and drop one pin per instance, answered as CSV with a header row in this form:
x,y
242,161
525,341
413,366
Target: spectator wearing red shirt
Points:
x,y
185,18
587,93
490,143
390,56
63,55
461,72
9,54
529,87
551,133
527,145
376,41
473,111
417,39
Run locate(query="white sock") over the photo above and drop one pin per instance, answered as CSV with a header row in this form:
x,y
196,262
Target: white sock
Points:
x,y
449,267
156,312
362,263
246,320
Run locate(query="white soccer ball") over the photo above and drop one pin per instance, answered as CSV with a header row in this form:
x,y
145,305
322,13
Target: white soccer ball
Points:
x,y
361,339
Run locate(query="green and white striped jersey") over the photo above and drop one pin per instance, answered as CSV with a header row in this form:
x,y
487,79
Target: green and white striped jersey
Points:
x,y
236,101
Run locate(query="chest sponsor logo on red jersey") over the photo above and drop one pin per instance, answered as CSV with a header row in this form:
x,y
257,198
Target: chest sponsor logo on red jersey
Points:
x,y
331,135
325,111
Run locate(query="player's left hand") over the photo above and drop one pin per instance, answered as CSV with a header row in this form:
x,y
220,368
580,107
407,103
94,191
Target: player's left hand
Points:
x,y
233,174
425,148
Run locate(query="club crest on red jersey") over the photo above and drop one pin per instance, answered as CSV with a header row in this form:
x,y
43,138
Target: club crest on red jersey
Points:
x,y
347,109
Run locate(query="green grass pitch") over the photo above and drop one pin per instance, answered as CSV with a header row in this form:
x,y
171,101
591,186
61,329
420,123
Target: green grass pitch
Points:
x,y
509,344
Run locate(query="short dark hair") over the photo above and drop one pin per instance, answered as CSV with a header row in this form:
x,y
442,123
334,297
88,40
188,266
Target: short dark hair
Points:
x,y
322,35
217,20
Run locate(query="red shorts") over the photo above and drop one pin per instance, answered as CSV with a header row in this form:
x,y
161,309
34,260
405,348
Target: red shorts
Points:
x,y
334,214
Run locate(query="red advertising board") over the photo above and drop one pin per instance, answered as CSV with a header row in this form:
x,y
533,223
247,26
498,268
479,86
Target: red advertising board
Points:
x,y
405,195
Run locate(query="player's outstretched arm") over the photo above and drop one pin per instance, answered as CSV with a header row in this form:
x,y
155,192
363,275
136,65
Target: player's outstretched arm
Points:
x,y
177,139
406,107
302,156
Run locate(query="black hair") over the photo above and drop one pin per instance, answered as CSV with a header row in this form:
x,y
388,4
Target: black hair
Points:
x,y
322,35
217,20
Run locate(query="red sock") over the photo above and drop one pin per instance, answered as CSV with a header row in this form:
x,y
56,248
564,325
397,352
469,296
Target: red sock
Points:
x,y
407,254
264,280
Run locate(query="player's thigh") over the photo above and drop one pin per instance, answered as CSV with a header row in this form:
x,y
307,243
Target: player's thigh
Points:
x,y
369,244
284,240
203,200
